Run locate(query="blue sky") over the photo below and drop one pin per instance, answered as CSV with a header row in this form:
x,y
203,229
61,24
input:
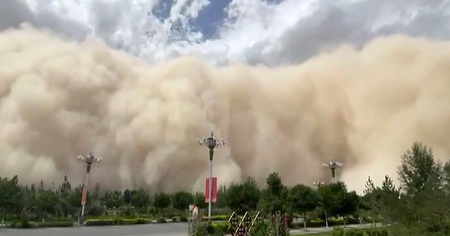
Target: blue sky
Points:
x,y
208,20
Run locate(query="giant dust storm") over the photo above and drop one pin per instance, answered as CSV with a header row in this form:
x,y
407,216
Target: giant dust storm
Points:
x,y
363,107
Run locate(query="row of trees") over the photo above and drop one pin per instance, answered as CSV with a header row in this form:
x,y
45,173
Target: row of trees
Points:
x,y
64,201
420,203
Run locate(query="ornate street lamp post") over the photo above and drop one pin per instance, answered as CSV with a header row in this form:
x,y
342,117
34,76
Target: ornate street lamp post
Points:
x,y
211,143
89,160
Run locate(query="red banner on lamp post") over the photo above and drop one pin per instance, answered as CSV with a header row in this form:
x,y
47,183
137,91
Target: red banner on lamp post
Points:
x,y
213,192
83,196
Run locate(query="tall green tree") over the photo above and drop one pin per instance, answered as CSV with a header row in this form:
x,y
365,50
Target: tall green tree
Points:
x,y
331,196
243,197
389,201
127,196
423,180
274,196
303,199
348,205
47,202
139,198
419,170
112,199
199,200
371,199
181,200
221,197
161,201
10,195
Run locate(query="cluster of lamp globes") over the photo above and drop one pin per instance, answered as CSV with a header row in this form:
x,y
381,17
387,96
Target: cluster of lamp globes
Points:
x,y
89,158
211,142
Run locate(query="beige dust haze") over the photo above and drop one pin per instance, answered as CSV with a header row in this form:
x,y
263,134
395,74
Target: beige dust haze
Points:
x,y
60,99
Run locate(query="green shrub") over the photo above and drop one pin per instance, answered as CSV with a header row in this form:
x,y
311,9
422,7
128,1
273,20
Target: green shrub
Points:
x,y
201,230
260,229
142,221
338,232
383,232
100,222
216,218
161,220
174,219
126,221
183,219
24,223
96,210
351,232
12,224
55,224
220,227
359,233
320,223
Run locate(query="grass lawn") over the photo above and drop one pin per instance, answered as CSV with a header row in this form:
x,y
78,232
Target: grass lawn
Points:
x,y
312,233
330,233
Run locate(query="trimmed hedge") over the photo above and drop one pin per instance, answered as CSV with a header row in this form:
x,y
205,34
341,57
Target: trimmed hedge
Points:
x,y
27,224
103,222
216,218
100,222
55,224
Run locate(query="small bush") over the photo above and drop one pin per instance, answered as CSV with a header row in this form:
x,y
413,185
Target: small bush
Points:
x,y
100,222
338,232
12,225
383,232
174,219
24,223
359,233
55,224
161,220
216,218
142,221
220,227
260,229
127,221
351,232
201,230
183,219
372,233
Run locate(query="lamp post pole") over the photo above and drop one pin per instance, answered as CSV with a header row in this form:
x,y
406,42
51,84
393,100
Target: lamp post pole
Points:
x,y
89,160
333,165
211,143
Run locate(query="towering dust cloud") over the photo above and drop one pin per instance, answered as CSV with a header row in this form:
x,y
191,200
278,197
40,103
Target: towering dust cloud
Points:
x,y
362,107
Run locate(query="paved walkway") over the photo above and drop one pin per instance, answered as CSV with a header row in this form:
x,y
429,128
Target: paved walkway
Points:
x,y
170,229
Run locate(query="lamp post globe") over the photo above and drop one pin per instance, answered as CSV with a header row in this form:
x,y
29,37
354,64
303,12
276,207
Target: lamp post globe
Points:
x,y
333,165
